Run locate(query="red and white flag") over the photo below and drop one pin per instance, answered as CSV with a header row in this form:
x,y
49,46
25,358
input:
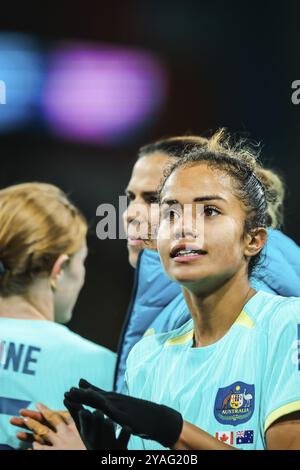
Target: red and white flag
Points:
x,y
225,436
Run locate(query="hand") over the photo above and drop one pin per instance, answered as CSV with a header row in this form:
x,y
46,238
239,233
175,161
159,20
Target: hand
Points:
x,y
98,432
145,419
52,430
45,419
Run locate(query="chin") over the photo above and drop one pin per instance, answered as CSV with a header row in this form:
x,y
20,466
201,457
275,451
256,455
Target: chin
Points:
x,y
63,317
188,276
133,255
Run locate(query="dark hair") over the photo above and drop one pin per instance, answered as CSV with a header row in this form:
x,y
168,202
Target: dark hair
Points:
x,y
175,147
260,190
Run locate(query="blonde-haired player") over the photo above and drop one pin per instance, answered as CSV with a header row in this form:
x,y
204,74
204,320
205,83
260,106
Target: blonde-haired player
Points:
x,y
42,253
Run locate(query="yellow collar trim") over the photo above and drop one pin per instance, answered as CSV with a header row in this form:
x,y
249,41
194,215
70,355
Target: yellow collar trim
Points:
x,y
243,319
180,339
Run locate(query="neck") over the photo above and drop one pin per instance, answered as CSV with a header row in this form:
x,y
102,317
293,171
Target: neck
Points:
x,y
36,304
214,313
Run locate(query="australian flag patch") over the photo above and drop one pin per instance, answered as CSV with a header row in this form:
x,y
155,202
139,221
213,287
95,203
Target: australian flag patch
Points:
x,y
244,437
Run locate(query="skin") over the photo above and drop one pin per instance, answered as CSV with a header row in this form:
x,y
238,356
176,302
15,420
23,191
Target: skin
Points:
x,y
283,433
52,297
215,285
52,430
69,281
141,189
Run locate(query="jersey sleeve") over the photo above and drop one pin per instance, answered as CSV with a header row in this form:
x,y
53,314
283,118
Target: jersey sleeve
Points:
x,y
281,384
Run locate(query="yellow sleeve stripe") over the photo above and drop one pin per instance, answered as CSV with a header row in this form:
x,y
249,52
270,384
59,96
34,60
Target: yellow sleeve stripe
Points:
x,y
283,410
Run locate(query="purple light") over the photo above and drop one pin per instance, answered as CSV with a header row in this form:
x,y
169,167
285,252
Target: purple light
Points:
x,y
102,94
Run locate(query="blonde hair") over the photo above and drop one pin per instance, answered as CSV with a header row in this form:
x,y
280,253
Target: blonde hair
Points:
x,y
38,223
275,192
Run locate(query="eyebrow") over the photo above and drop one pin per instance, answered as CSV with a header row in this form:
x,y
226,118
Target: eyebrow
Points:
x,y
171,202
144,193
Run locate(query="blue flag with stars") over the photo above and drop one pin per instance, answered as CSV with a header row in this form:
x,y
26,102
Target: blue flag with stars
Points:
x,y
244,437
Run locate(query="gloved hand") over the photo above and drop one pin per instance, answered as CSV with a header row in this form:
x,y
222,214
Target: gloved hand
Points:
x,y
145,418
74,409
98,432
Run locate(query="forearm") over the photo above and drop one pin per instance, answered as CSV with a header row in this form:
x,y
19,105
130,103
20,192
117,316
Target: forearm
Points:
x,y
194,438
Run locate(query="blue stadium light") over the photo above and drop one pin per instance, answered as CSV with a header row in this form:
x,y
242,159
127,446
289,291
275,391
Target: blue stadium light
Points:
x,y
21,77
2,92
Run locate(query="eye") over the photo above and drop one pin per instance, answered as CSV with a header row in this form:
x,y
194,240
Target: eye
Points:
x,y
151,199
170,214
211,211
130,196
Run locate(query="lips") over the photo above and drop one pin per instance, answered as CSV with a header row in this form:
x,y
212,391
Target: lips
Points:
x,y
135,241
186,250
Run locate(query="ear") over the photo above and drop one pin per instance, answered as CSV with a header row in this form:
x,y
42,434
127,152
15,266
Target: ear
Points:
x,y
254,241
58,268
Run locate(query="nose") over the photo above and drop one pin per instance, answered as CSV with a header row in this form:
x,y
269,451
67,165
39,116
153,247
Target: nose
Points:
x,y
135,220
131,215
185,232
190,225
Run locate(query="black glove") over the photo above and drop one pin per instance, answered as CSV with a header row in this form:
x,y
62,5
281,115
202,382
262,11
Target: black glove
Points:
x,y
145,418
73,409
96,431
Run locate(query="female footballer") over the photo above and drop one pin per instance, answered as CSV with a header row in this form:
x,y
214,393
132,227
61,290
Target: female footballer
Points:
x,y
229,378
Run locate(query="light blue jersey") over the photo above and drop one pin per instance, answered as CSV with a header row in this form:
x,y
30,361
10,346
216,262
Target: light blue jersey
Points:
x,y
233,389
39,361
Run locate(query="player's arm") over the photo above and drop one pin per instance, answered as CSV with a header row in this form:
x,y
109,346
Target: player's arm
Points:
x,y
280,407
146,419
194,438
284,434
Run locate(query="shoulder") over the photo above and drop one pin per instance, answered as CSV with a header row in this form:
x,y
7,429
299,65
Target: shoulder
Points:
x,y
282,310
266,308
285,322
278,318
81,345
151,346
89,360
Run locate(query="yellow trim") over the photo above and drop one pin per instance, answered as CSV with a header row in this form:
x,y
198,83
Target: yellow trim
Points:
x,y
283,410
180,339
244,320
149,332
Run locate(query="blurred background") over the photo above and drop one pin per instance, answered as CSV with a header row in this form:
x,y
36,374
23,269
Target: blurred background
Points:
x,y
89,82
